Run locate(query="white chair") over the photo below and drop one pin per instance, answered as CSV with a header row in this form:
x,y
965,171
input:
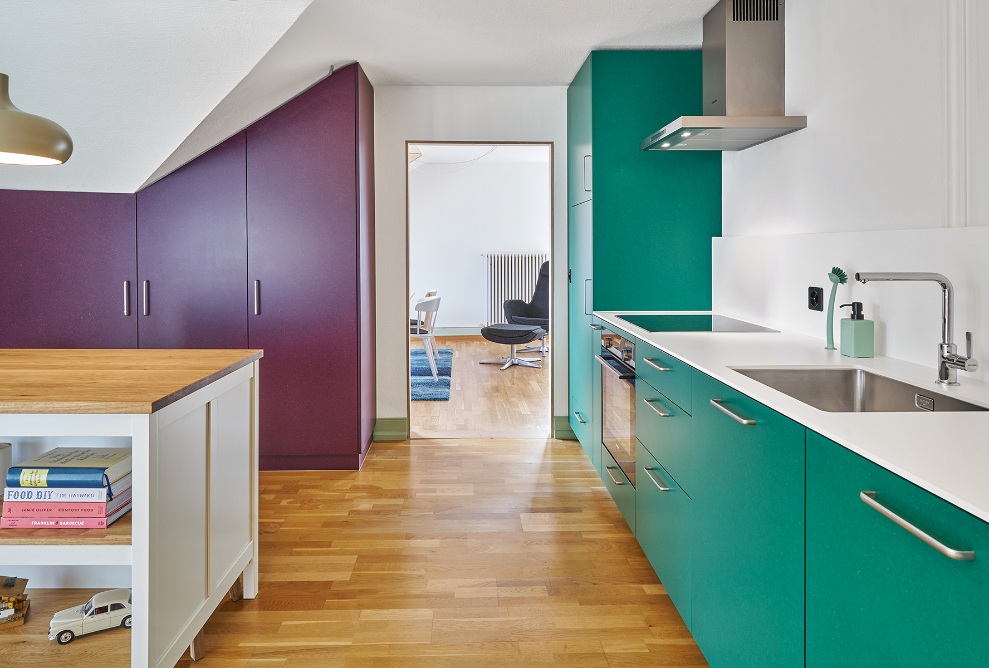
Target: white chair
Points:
x,y
422,328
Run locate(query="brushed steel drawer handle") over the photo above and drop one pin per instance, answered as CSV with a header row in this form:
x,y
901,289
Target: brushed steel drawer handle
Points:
x,y
146,295
126,297
596,328
648,470
580,419
740,420
608,469
651,403
869,498
604,363
257,297
655,366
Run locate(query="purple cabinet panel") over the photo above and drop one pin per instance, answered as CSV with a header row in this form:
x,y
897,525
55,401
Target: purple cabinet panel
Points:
x,y
365,258
192,250
303,250
64,258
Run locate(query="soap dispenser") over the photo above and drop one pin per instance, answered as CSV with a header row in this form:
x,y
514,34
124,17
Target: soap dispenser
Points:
x,y
857,333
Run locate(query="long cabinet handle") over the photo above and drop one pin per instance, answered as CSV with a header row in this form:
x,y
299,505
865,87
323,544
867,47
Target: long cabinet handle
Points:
x,y
257,297
737,418
869,498
661,488
655,366
617,482
651,403
126,297
146,297
596,328
604,363
586,311
579,417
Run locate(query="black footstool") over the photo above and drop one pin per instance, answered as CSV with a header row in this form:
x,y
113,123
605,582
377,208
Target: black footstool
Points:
x,y
513,335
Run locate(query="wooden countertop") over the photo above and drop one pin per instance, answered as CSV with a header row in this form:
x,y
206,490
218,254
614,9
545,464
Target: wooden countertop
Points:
x,y
109,381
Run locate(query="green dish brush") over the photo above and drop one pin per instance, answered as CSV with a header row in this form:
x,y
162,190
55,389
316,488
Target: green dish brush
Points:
x,y
837,277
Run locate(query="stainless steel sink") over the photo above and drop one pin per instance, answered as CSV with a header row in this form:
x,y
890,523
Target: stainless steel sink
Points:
x,y
845,390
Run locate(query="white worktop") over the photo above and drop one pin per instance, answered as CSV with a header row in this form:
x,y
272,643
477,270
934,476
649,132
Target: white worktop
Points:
x,y
946,453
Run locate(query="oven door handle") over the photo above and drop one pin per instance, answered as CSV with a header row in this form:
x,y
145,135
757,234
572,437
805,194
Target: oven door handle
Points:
x,y
604,363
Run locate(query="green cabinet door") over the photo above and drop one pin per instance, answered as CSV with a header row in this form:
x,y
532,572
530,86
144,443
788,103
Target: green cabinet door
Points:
x,y
581,336
663,527
579,136
748,551
619,487
876,594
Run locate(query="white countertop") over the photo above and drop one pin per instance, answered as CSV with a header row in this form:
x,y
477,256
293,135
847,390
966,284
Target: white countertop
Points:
x,y
946,453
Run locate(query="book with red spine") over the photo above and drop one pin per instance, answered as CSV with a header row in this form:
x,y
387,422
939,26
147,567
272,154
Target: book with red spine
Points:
x,y
46,509
63,522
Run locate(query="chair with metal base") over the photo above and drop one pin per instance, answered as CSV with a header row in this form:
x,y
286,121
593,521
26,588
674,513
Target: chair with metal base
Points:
x,y
513,335
534,312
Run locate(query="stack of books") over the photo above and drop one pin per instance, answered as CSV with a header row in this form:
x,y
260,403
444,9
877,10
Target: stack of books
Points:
x,y
68,488
13,602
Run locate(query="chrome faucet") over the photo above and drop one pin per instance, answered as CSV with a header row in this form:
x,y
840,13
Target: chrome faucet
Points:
x,y
949,361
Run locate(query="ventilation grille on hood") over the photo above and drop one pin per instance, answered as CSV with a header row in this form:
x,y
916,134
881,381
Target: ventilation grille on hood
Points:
x,y
755,10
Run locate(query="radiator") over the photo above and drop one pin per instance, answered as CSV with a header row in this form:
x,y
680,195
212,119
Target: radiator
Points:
x,y
509,276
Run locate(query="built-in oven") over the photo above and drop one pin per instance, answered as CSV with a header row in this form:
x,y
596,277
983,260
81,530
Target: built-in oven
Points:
x,y
617,361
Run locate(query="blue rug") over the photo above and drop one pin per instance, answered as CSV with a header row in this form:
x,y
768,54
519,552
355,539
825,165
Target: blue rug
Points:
x,y
424,388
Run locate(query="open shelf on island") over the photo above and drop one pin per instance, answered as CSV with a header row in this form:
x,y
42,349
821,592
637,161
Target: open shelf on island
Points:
x,y
118,533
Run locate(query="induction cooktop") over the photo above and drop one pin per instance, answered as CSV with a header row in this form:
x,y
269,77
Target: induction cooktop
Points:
x,y
692,323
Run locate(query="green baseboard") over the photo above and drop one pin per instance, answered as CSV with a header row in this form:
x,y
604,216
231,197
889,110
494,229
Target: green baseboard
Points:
x,y
391,429
561,428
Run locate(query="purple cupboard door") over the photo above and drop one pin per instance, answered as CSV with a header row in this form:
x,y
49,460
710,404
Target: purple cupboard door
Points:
x,y
302,251
192,250
64,258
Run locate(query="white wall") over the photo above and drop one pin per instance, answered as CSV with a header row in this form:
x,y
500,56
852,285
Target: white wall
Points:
x,y
889,175
458,212
438,113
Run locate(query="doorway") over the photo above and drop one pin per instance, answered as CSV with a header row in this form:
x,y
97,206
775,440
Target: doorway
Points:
x,y
479,218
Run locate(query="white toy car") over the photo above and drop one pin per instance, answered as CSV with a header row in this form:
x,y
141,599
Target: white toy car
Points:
x,y
107,610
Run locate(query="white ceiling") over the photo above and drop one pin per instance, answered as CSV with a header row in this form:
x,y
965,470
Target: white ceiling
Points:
x,y
144,86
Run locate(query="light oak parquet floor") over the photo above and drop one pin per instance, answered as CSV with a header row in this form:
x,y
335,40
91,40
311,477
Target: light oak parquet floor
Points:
x,y
484,400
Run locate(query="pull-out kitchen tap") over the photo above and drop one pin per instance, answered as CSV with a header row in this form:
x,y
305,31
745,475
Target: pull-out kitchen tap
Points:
x,y
949,361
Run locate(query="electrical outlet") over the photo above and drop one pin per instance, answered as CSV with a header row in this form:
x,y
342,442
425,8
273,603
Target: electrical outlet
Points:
x,y
815,299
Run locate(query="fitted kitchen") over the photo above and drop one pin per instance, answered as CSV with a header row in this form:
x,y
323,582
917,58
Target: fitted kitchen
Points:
x,y
767,307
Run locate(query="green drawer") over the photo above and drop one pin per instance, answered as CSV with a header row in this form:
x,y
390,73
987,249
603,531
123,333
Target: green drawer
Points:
x,y
664,429
619,487
665,373
664,528
580,422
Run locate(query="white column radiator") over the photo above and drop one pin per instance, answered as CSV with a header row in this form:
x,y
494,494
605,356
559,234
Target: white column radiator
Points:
x,y
509,276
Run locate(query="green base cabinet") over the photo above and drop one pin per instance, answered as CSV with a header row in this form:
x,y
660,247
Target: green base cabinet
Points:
x,y
663,527
619,487
663,428
747,605
876,594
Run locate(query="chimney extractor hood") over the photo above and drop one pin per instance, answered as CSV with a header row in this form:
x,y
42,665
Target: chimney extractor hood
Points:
x,y
743,55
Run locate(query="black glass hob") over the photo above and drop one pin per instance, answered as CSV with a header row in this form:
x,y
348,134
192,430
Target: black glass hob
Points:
x,y
692,323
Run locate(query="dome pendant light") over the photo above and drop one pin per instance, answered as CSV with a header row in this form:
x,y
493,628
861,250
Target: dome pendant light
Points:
x,y
26,139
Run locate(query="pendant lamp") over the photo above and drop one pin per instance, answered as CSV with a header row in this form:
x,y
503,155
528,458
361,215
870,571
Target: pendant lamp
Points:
x,y
26,139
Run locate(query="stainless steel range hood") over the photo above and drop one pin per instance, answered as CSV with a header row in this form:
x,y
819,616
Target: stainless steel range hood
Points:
x,y
743,56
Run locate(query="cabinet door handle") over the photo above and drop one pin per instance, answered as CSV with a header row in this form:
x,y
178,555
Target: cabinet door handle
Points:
x,y
586,281
650,362
587,174
869,498
740,420
608,469
604,363
652,403
257,297
126,297
146,297
596,328
661,488
579,417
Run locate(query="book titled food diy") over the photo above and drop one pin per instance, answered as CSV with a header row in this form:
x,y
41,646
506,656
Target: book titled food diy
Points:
x,y
72,467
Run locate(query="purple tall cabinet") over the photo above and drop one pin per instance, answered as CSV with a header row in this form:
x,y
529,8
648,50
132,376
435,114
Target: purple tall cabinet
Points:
x,y
310,224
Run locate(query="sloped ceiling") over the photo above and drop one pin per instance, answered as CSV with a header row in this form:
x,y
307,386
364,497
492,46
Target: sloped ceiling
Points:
x,y
144,86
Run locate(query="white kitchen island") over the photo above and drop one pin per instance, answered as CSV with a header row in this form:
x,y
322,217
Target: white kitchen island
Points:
x,y
191,418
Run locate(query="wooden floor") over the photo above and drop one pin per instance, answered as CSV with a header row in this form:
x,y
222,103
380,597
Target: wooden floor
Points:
x,y
438,553
484,400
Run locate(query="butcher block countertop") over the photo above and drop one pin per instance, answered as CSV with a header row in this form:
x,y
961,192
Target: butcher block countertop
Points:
x,y
129,381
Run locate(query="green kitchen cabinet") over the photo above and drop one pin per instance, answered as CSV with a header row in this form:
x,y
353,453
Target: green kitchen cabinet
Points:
x,y
876,594
663,428
618,486
747,604
579,181
664,528
581,336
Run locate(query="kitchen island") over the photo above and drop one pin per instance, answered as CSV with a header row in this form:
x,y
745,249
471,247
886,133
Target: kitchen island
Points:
x,y
191,536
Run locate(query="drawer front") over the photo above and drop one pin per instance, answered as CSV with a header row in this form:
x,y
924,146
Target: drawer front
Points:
x,y
663,528
664,429
665,373
619,487
580,422
876,594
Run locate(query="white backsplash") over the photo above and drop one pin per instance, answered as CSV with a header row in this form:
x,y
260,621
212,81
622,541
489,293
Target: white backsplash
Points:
x,y
765,279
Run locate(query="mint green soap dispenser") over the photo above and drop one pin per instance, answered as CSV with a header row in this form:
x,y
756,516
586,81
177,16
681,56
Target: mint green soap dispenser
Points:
x,y
858,335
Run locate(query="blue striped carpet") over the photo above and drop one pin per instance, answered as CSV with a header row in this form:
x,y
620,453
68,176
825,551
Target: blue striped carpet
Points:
x,y
424,388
